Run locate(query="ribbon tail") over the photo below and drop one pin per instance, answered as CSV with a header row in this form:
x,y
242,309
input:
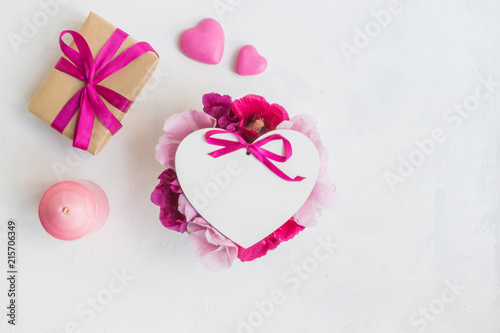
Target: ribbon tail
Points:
x,y
105,116
277,171
84,123
67,112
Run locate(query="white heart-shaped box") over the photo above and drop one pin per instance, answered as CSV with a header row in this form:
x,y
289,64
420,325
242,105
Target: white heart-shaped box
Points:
x,y
236,193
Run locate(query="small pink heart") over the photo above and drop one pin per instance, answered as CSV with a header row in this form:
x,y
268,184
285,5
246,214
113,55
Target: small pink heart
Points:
x,y
250,62
204,43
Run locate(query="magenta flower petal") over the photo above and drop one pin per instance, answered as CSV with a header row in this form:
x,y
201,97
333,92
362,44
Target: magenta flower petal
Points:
x,y
216,105
176,128
220,107
257,116
166,195
286,232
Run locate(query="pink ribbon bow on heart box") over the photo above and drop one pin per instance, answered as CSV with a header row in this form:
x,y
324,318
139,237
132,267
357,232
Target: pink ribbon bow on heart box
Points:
x,y
263,155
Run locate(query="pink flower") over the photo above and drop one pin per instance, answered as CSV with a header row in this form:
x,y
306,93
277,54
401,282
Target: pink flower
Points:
x,y
215,250
176,128
220,107
186,209
324,193
286,232
166,195
257,116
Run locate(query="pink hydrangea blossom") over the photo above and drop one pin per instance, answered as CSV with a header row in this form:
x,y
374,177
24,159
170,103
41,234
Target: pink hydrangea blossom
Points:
x,y
324,193
176,128
216,251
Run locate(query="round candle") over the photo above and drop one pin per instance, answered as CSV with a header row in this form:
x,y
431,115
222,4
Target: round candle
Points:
x,y
71,209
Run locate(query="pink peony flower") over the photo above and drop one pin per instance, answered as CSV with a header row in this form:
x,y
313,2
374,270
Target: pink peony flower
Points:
x,y
176,128
286,232
324,194
257,116
220,107
215,250
166,195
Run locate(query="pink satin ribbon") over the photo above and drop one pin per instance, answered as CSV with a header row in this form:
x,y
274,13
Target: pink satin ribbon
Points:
x,y
262,154
88,100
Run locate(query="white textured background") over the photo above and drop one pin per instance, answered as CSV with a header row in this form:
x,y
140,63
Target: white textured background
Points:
x,y
398,249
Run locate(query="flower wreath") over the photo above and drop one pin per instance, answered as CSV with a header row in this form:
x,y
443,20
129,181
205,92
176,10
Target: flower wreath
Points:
x,y
249,117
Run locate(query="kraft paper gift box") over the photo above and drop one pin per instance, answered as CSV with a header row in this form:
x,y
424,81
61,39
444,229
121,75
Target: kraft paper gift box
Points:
x,y
60,87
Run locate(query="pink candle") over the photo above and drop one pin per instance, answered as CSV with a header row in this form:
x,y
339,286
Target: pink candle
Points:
x,y
71,209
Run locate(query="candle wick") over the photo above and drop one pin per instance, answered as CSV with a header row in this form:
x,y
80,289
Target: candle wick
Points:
x,y
65,211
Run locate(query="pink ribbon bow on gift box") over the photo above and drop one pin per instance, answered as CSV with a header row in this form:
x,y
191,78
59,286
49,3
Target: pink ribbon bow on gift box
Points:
x,y
88,100
262,154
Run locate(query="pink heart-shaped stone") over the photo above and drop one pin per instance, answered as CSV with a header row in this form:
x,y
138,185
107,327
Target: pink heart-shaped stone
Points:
x,y
204,43
250,62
